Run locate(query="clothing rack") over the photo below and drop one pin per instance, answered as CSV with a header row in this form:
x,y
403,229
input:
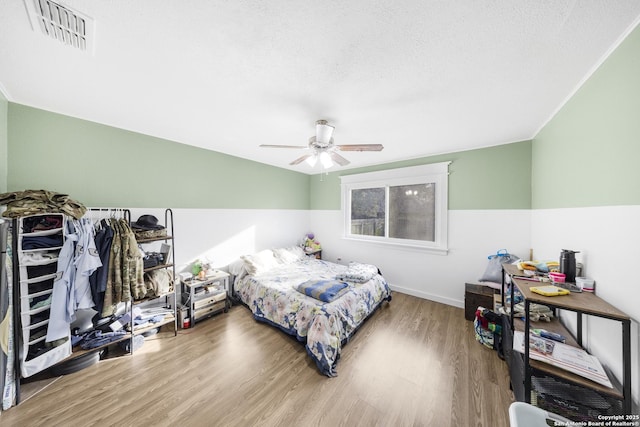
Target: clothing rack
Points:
x,y
121,213
91,213
97,213
94,215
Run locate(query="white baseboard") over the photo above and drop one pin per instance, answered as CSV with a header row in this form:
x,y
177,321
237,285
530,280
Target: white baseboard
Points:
x,y
430,297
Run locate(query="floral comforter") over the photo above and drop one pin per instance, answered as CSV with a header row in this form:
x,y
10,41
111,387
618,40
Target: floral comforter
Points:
x,y
325,327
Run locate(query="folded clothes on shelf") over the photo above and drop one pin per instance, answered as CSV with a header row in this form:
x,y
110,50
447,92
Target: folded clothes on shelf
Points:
x,y
537,312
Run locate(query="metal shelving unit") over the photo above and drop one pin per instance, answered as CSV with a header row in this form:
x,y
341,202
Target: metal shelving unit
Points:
x,y
28,285
171,298
582,304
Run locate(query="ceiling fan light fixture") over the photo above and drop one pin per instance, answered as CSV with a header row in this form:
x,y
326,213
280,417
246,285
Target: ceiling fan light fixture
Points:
x,y
323,132
322,149
312,160
325,160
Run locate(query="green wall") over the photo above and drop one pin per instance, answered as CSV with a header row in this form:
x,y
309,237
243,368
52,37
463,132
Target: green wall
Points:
x,y
489,178
100,165
589,153
3,143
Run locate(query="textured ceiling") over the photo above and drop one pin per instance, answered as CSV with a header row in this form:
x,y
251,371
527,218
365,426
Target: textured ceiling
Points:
x,y
421,77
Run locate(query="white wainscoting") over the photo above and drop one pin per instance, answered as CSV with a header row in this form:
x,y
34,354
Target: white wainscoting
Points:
x,y
473,235
608,239
222,235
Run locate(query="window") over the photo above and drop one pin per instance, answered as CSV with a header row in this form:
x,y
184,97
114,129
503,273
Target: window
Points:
x,y
406,206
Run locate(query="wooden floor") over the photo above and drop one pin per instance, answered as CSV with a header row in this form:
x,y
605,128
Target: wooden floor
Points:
x,y
413,363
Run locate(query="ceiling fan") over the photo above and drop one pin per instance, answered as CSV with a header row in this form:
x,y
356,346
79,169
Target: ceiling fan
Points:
x,y
323,148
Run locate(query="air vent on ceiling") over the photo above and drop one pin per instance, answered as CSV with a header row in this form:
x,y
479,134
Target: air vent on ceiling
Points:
x,y
61,23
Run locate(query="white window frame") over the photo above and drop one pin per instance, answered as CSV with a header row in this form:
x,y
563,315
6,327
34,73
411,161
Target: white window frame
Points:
x,y
437,173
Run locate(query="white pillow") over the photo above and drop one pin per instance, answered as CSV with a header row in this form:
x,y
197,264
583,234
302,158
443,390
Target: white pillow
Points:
x,y
288,255
236,267
298,252
260,262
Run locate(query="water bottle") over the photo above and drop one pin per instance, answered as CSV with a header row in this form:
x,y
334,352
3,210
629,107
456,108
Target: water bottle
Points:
x,y
568,264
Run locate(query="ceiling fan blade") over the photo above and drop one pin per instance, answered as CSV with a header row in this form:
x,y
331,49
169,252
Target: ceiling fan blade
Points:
x,y
300,159
360,147
338,158
282,146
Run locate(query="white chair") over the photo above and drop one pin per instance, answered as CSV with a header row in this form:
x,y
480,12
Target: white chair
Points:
x,y
525,415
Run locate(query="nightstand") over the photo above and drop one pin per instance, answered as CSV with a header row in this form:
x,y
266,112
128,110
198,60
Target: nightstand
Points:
x,y
206,297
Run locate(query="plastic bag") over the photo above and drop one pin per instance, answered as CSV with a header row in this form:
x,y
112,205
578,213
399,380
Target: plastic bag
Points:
x,y
493,272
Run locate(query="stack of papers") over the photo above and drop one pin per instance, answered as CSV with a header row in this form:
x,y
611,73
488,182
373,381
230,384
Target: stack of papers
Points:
x,y
572,359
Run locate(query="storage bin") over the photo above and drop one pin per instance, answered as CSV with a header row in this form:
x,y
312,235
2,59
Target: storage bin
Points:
x,y
475,296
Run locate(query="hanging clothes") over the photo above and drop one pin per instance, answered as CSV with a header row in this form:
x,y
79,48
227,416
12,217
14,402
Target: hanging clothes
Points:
x,y
98,280
78,259
62,306
133,269
86,262
113,292
125,267
132,262
114,277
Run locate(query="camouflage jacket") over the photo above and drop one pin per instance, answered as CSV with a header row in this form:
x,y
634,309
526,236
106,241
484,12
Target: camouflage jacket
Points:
x,y
31,202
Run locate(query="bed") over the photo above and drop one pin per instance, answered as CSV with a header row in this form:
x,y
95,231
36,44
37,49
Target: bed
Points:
x,y
320,303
